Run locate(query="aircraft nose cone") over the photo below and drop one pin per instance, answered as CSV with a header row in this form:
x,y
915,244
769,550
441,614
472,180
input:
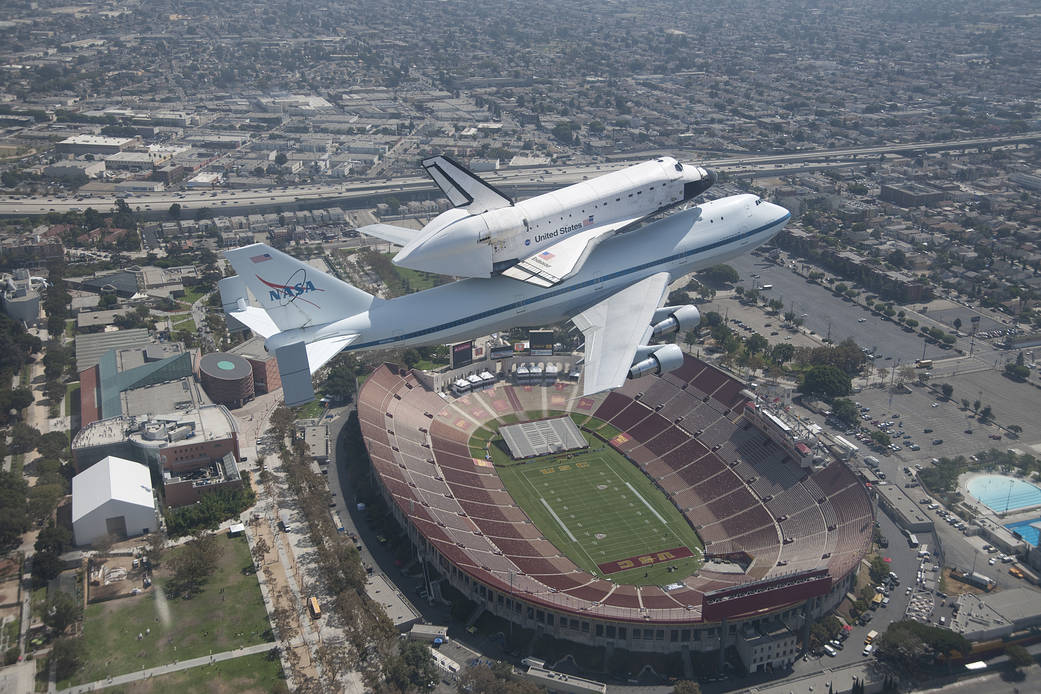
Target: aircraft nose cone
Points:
x,y
705,180
448,252
710,178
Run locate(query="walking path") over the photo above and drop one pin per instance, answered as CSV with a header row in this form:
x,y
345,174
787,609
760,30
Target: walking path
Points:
x,y
167,669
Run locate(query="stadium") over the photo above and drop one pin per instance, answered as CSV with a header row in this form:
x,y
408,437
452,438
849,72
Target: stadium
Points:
x,y
713,530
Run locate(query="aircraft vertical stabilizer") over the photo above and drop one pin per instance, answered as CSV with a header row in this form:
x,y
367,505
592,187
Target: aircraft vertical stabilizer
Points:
x,y
462,188
294,294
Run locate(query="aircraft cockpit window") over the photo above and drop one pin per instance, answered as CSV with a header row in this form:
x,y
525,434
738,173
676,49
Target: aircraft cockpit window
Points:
x,y
758,201
679,167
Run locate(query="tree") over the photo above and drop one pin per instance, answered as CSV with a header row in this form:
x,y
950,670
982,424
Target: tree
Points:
x,y
881,438
193,564
782,353
947,389
825,381
412,667
14,518
1018,656
686,687
878,569
281,159
845,410
154,549
976,405
67,656
175,211
53,538
23,438
957,323
61,611
720,275
282,420
985,415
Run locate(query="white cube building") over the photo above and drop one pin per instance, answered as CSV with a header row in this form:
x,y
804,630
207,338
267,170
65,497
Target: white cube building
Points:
x,y
112,497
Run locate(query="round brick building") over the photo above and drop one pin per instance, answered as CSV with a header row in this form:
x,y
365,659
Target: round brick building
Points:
x,y
227,378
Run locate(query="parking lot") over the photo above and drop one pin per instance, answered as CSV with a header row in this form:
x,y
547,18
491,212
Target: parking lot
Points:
x,y
827,315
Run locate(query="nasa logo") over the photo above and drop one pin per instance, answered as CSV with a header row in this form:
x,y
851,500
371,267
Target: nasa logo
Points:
x,y
290,290
527,242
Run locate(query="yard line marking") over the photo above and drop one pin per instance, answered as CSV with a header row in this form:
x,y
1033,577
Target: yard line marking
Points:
x,y
557,518
649,507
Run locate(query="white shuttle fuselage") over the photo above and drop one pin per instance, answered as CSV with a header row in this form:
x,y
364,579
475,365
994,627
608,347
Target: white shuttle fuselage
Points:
x,y
544,239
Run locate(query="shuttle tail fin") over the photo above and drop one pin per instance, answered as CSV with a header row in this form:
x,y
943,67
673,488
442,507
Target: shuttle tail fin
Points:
x,y
463,188
294,294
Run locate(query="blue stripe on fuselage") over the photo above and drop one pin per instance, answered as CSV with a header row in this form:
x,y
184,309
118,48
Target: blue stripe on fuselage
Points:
x,y
564,290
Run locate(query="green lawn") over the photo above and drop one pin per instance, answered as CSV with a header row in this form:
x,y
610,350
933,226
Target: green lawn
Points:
x,y
245,675
72,392
312,410
598,507
182,321
427,365
228,613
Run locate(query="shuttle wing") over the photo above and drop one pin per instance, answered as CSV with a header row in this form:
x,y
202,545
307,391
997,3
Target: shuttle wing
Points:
x,y
615,328
564,258
463,188
388,232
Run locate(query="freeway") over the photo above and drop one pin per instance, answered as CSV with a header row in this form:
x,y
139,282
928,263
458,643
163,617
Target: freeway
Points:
x,y
354,193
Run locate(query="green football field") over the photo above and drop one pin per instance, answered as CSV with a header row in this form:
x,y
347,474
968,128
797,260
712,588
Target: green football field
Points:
x,y
602,512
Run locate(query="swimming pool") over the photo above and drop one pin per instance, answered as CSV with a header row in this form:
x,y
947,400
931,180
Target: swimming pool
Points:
x,y
1000,493
1026,530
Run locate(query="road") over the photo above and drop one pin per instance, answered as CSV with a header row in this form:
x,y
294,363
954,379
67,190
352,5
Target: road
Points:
x,y
131,677
236,201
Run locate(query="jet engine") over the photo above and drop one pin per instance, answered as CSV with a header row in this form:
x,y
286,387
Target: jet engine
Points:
x,y
658,359
674,319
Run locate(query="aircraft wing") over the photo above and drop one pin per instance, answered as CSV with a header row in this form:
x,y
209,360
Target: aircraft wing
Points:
x,y
615,328
463,188
388,232
561,260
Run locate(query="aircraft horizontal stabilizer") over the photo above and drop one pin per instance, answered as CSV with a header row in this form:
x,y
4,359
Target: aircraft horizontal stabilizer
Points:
x,y
564,258
235,302
463,188
399,236
615,328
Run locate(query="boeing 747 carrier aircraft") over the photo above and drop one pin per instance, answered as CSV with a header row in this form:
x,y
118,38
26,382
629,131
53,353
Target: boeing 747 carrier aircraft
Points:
x,y
307,316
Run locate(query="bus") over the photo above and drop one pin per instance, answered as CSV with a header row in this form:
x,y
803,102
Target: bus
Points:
x,y
870,638
912,540
312,606
923,364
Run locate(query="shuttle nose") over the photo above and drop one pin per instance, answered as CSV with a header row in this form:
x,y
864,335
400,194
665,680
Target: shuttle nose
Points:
x,y
701,180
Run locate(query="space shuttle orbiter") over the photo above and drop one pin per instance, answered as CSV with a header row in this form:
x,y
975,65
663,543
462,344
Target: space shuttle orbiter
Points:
x,y
541,240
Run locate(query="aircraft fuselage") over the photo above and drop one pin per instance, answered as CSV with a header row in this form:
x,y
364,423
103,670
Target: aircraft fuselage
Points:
x,y
679,244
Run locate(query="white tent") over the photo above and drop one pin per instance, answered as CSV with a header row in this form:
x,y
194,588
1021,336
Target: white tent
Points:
x,y
112,497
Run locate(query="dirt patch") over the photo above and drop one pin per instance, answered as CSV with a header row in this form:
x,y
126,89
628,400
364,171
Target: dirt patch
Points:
x,y
955,586
116,578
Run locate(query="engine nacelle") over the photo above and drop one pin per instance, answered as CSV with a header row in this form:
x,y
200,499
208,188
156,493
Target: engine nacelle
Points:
x,y
656,360
674,319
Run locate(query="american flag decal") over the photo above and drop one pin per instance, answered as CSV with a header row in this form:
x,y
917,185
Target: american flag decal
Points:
x,y
261,258
546,255
588,221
